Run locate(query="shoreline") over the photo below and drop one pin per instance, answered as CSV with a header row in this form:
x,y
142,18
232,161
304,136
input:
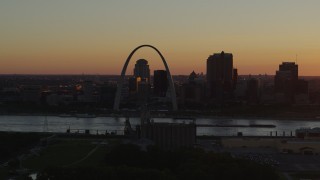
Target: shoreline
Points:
x,y
173,116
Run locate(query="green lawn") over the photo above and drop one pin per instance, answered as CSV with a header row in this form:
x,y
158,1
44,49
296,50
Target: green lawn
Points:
x,y
95,159
60,153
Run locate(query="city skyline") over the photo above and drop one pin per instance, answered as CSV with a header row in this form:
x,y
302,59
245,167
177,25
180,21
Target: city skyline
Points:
x,y
78,37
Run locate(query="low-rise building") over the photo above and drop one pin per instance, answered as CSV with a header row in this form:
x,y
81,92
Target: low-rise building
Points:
x,y
170,135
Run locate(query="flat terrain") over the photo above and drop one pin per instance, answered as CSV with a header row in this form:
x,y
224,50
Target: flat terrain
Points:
x,y
72,152
66,153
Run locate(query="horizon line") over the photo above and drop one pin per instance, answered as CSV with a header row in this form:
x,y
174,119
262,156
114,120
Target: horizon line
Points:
x,y
82,74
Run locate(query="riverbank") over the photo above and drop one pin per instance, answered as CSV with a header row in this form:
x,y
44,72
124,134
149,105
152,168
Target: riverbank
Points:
x,y
156,115
116,125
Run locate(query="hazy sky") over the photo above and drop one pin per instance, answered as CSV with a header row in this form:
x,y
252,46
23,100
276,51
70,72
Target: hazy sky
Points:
x,y
96,36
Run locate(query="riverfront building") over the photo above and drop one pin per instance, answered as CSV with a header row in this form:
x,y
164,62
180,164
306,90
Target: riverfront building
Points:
x,y
170,135
167,135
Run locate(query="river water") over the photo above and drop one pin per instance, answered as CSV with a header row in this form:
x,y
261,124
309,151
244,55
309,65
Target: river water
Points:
x,y
113,124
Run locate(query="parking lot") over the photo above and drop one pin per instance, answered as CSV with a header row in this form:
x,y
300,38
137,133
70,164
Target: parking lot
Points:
x,y
298,162
269,156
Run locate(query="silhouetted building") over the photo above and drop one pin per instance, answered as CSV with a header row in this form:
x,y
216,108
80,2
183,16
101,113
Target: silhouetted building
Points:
x,y
302,87
221,76
141,69
59,99
31,93
267,92
253,91
302,93
166,135
192,93
139,85
107,94
170,135
10,95
292,67
235,78
88,92
220,67
241,88
143,91
133,84
160,83
286,82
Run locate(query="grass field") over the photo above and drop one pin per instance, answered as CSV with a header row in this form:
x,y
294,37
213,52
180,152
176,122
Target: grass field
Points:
x,y
67,152
95,159
60,153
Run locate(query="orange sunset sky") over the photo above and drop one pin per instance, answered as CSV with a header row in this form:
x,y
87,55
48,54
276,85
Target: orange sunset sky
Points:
x,y
95,37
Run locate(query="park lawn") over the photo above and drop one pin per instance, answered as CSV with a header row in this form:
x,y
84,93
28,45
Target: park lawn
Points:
x,y
94,160
60,153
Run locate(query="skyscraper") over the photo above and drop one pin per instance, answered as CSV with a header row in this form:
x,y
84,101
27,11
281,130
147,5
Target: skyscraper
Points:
x,y
160,83
220,74
291,67
141,69
286,80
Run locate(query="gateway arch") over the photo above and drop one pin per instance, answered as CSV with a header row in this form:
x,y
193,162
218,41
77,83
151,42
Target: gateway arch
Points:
x,y
123,73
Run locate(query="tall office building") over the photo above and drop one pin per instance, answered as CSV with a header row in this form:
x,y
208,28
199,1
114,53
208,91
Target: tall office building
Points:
x,y
220,78
286,78
291,67
160,83
141,69
286,82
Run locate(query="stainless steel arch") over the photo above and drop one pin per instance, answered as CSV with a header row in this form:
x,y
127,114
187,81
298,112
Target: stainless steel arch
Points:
x,y
123,72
